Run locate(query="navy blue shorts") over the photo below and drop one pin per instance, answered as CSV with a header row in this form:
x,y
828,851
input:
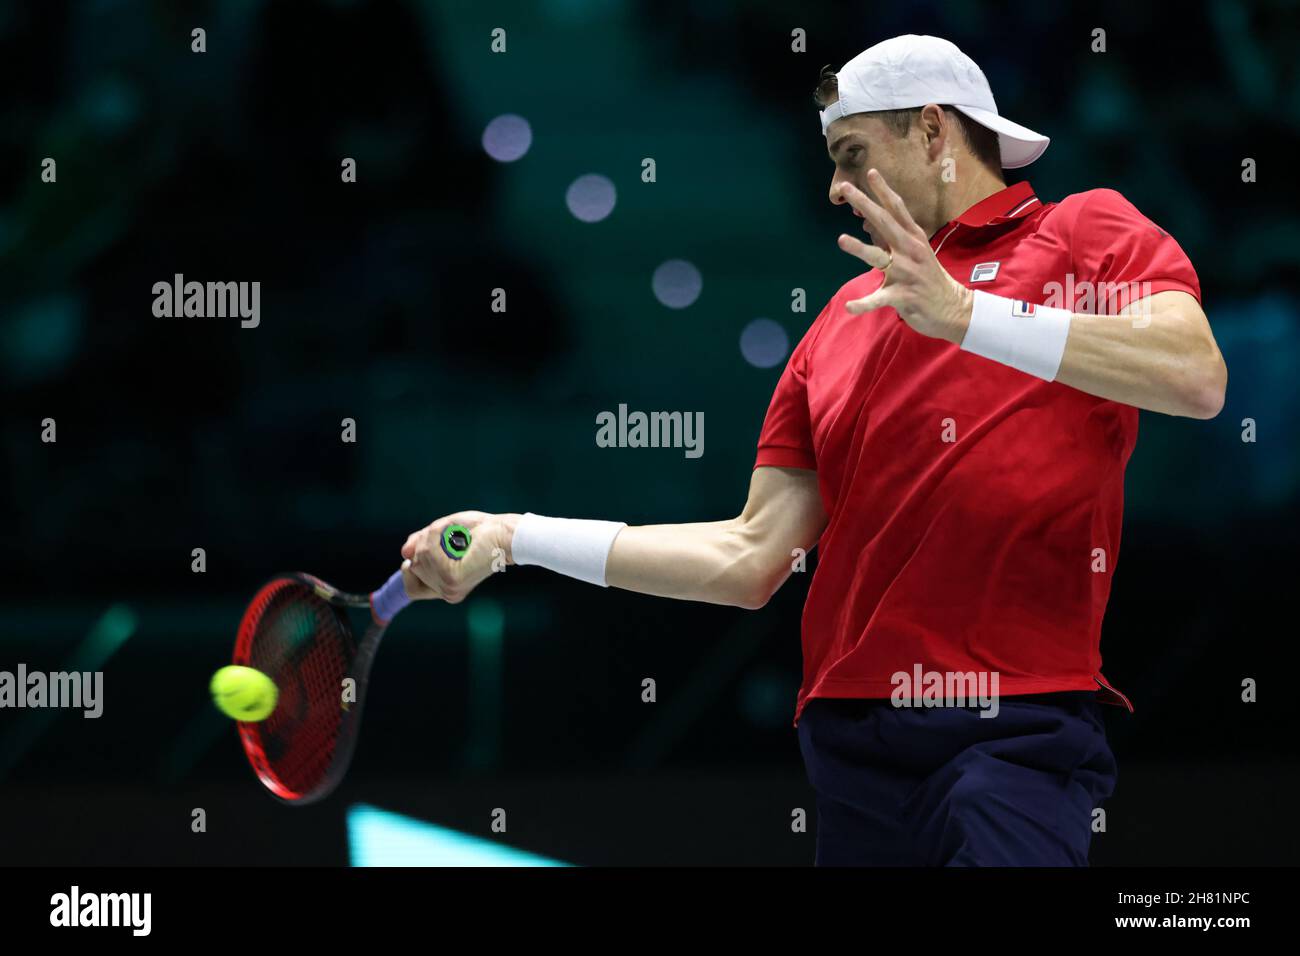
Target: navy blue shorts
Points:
x,y
942,786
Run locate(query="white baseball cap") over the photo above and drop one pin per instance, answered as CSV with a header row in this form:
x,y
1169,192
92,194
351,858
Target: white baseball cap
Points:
x,y
909,71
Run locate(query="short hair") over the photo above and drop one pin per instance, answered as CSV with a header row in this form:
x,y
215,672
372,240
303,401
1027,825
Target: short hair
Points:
x,y
983,142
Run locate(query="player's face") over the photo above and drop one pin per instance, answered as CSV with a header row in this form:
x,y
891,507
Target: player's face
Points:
x,y
861,142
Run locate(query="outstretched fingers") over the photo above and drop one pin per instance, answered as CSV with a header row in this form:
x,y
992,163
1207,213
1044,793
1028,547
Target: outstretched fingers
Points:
x,y
894,205
873,256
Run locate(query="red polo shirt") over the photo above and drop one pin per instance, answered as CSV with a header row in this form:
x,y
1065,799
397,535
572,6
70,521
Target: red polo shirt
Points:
x,y
974,510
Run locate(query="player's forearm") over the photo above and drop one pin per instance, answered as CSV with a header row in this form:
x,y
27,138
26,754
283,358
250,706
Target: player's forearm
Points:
x,y
717,562
1162,361
1157,353
739,562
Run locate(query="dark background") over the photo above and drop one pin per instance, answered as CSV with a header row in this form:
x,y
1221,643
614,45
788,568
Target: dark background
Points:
x,y
175,434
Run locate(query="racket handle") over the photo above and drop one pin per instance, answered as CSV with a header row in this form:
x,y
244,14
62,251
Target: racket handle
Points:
x,y
389,599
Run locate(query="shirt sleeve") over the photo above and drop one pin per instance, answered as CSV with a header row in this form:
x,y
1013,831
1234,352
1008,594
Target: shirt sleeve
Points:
x,y
786,440
1121,251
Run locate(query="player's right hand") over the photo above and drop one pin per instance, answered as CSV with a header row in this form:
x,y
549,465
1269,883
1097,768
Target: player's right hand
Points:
x,y
433,574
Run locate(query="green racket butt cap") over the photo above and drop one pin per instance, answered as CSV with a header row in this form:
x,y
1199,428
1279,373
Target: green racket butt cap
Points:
x,y
455,541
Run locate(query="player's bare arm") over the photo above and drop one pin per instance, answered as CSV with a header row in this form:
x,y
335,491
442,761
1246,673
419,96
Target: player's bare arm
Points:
x,y
1163,359
739,562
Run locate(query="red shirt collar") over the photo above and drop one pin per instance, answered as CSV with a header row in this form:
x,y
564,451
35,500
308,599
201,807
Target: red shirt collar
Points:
x,y
1010,203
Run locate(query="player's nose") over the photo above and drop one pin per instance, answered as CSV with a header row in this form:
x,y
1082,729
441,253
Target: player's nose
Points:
x,y
837,192
836,196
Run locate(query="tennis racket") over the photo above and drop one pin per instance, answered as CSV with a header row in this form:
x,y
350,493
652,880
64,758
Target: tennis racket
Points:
x,y
296,631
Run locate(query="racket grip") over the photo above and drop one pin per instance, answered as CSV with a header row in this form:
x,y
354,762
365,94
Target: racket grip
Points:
x,y
389,599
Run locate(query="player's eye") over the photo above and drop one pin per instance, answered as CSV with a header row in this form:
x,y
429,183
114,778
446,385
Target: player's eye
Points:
x,y
852,155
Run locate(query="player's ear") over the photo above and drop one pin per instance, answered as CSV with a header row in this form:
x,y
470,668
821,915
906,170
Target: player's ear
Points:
x,y
935,126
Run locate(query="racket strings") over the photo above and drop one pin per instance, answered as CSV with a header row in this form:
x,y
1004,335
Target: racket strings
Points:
x,y
305,645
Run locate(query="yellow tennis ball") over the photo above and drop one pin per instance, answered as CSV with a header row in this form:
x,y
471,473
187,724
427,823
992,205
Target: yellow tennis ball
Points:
x,y
244,693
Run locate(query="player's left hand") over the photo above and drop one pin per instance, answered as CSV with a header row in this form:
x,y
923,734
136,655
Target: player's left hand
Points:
x,y
918,288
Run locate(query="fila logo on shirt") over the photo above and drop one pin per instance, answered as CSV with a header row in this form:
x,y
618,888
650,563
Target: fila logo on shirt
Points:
x,y
984,271
1022,309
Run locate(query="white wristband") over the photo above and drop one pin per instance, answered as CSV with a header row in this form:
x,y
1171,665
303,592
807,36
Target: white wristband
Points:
x,y
569,546
1027,337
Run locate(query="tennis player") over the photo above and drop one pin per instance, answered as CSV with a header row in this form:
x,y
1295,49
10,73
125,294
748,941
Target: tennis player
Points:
x,y
951,433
